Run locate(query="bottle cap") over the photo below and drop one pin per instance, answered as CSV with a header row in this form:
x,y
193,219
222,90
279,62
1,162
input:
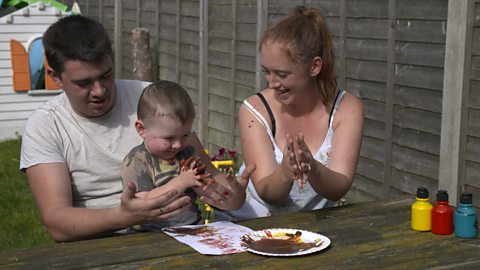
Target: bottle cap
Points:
x,y
442,195
422,192
466,198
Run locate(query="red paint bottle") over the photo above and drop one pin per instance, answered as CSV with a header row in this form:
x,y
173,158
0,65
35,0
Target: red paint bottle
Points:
x,y
442,215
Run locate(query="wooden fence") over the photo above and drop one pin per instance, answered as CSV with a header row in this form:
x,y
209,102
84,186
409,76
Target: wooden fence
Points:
x,y
415,64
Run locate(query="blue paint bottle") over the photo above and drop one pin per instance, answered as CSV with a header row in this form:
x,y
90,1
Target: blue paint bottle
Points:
x,y
465,218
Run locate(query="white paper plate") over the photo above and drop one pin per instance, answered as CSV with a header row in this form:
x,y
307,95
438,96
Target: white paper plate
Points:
x,y
308,242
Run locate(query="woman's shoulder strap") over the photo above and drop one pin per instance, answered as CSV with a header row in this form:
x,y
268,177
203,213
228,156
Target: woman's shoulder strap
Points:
x,y
269,110
335,105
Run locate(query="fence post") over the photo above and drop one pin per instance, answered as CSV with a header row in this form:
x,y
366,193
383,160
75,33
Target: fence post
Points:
x,y
233,76
100,11
392,20
342,56
455,95
139,12
177,38
155,43
203,74
262,23
118,38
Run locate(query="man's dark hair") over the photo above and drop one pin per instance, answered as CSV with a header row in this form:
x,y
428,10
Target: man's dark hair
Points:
x,y
76,37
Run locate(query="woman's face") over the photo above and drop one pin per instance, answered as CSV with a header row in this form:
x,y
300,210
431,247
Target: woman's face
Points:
x,y
165,136
286,77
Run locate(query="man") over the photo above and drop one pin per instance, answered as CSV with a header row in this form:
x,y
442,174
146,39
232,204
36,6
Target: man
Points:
x,y
73,145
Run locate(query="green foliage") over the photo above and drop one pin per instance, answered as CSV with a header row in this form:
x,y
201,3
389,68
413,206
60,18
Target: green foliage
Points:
x,y
20,224
23,3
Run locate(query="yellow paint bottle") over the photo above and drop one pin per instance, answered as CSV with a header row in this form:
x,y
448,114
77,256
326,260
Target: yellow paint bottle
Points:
x,y
422,211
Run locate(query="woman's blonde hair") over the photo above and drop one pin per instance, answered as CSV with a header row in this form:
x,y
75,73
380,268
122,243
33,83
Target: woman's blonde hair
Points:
x,y
305,35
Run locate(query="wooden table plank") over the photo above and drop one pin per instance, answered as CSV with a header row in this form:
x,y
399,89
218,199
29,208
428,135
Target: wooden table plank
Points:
x,y
95,253
374,235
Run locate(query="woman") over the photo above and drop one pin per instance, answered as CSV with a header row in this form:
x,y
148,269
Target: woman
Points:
x,y
303,133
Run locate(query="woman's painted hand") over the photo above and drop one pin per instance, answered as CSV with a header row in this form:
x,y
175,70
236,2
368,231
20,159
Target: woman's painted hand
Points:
x,y
304,159
227,192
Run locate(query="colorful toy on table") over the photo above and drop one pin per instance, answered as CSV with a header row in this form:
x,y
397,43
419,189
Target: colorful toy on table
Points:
x,y
442,215
465,219
422,211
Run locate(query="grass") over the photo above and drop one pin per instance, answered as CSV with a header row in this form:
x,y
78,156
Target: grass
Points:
x,y
20,224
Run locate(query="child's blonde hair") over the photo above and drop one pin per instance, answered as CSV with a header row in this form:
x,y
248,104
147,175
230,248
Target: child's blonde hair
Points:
x,y
165,98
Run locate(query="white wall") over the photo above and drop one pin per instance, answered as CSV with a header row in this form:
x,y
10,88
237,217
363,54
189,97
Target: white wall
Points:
x,y
22,25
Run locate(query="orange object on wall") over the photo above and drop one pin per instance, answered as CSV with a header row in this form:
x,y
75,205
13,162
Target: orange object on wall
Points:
x,y
49,82
20,66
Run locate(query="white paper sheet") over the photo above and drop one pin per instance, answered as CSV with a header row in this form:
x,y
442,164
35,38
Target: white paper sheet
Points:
x,y
216,238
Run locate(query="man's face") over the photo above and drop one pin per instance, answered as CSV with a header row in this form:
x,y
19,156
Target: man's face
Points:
x,y
90,88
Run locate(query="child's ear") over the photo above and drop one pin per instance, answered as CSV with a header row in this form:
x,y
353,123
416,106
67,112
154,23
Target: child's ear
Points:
x,y
140,127
316,66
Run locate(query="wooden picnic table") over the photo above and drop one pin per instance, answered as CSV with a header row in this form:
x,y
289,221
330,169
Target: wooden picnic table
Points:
x,y
371,235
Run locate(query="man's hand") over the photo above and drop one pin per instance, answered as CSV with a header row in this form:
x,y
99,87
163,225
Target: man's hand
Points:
x,y
139,210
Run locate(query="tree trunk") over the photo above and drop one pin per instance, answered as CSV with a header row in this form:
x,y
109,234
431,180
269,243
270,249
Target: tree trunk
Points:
x,y
142,57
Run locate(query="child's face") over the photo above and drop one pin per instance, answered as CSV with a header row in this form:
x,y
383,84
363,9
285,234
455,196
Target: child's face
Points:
x,y
165,136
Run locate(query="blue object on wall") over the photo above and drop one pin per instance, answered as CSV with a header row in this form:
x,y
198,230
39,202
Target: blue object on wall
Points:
x,y
37,70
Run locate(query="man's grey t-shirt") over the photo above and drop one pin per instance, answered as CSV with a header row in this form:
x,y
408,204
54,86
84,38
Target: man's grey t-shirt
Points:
x,y
92,148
